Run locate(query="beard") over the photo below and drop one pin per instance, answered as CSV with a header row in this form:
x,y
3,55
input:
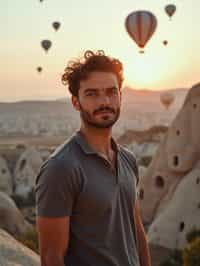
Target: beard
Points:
x,y
106,121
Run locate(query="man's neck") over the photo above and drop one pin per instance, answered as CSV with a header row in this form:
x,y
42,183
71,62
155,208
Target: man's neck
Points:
x,y
99,139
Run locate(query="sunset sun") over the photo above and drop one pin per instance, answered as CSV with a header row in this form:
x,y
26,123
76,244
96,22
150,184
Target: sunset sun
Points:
x,y
146,70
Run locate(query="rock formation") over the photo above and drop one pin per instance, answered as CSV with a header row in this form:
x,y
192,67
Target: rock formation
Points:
x,y
182,215
5,177
26,170
170,187
11,218
13,253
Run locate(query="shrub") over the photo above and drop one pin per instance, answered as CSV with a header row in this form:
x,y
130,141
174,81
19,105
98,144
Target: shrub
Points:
x,y
191,253
30,239
192,235
174,259
21,146
25,202
145,160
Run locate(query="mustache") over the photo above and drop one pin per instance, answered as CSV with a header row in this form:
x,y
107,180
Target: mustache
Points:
x,y
102,109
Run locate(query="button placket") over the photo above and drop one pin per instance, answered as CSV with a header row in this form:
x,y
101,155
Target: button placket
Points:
x,y
109,165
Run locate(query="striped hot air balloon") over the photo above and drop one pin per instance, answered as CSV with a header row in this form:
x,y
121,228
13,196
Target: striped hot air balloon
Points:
x,y
141,25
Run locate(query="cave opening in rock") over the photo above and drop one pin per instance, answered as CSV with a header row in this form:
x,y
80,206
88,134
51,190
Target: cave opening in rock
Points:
x,y
22,164
176,161
141,194
181,226
159,181
3,171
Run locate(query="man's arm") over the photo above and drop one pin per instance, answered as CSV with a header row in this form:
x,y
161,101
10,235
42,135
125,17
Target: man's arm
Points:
x,y
143,249
53,239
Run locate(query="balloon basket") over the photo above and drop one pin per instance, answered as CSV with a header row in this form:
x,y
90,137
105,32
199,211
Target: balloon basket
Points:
x,y
141,51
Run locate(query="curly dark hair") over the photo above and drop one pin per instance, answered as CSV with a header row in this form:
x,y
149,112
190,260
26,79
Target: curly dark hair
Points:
x,y
78,70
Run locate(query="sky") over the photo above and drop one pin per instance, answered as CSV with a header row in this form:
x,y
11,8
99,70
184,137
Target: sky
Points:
x,y
94,25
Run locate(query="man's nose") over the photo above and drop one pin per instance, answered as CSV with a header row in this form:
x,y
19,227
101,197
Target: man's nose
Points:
x,y
104,99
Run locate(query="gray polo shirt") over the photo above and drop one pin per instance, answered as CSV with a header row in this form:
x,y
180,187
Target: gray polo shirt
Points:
x,y
77,182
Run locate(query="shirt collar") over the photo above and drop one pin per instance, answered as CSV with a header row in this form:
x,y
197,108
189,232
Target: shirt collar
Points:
x,y
80,139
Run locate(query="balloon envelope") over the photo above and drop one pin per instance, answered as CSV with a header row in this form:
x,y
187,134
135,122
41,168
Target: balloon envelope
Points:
x,y
39,69
141,25
170,10
46,45
166,99
56,25
165,42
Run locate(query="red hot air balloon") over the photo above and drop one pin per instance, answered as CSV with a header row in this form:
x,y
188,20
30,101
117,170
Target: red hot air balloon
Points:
x,y
46,45
141,25
170,10
56,25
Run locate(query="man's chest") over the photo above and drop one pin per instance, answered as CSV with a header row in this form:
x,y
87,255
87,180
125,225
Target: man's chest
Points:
x,y
105,189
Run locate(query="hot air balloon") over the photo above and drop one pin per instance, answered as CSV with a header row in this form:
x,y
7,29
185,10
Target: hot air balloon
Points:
x,y
165,42
46,44
56,25
141,25
39,69
170,10
166,99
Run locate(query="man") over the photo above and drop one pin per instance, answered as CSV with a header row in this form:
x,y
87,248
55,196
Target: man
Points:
x,y
87,210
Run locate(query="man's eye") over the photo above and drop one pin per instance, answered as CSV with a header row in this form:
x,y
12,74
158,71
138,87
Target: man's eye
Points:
x,y
91,94
113,91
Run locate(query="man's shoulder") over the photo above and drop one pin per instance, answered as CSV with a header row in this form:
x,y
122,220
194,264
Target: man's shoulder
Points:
x,y
130,158
62,162
127,153
66,151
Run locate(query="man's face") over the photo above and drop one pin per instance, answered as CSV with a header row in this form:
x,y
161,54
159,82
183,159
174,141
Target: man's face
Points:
x,y
99,100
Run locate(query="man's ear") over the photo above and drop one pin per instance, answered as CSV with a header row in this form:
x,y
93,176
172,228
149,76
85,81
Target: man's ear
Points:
x,y
120,96
75,102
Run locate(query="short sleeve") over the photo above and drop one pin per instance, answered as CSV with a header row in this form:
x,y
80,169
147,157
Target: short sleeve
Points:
x,y
134,164
131,158
136,171
56,189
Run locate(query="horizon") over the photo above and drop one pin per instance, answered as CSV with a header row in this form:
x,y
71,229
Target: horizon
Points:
x,y
67,97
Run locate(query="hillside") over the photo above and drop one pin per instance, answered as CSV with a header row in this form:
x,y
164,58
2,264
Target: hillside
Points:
x,y
140,110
